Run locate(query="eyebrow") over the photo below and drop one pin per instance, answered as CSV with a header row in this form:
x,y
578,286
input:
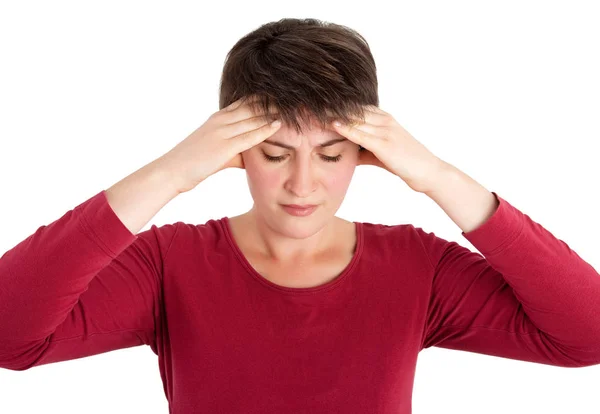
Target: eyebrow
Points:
x,y
323,145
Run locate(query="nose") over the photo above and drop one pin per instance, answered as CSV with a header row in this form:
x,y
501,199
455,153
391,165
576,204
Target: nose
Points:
x,y
302,182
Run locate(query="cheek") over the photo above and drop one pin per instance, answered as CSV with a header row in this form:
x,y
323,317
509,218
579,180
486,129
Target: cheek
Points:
x,y
339,179
261,180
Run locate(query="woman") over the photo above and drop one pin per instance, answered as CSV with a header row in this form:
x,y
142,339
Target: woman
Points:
x,y
281,310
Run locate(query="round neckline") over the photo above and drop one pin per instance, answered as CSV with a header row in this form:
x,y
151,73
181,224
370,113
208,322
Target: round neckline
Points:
x,y
292,290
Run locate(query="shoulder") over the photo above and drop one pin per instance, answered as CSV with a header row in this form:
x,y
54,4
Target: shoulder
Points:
x,y
394,233
403,240
208,232
181,236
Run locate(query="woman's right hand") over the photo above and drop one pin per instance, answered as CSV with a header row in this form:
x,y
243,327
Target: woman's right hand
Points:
x,y
217,144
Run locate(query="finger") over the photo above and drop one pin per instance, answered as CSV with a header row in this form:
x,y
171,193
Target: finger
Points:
x,y
368,158
371,116
249,109
363,135
236,104
375,130
375,109
254,137
242,126
376,116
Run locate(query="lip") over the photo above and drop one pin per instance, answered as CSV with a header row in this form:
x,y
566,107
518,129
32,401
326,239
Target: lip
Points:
x,y
301,211
298,206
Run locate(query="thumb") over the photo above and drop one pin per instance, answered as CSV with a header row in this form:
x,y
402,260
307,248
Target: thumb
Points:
x,y
236,162
366,157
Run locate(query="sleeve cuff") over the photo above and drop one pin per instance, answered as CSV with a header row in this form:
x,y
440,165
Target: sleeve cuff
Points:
x,y
497,231
104,225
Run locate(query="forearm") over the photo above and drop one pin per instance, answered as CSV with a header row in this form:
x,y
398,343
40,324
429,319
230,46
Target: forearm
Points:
x,y
464,200
139,196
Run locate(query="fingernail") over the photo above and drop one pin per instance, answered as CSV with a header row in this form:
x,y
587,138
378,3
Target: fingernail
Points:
x,y
337,123
275,124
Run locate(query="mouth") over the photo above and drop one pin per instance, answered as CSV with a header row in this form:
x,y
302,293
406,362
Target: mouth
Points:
x,y
298,206
299,210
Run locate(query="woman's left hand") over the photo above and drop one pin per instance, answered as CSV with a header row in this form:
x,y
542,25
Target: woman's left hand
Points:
x,y
389,146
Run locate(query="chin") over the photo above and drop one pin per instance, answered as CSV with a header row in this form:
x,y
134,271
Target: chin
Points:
x,y
300,230
288,223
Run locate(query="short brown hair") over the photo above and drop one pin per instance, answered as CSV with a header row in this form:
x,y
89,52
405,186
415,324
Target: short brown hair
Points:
x,y
302,67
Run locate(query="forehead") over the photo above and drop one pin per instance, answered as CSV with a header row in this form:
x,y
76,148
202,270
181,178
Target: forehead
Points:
x,y
312,133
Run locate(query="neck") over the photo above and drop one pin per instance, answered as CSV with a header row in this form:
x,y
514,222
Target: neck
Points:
x,y
272,245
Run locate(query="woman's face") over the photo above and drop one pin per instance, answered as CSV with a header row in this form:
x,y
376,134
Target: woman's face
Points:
x,y
304,174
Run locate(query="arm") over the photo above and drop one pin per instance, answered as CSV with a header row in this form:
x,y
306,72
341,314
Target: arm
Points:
x,y
528,296
85,283
139,196
467,203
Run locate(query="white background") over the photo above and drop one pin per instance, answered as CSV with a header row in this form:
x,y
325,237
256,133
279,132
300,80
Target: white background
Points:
x,y
506,91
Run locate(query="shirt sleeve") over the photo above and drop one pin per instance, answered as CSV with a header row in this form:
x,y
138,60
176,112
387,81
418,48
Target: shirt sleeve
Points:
x,y
80,286
527,296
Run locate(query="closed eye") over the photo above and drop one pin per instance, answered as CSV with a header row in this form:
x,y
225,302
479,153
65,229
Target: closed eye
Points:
x,y
282,157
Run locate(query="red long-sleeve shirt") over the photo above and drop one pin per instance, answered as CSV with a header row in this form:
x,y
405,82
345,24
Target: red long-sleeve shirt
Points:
x,y
228,340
